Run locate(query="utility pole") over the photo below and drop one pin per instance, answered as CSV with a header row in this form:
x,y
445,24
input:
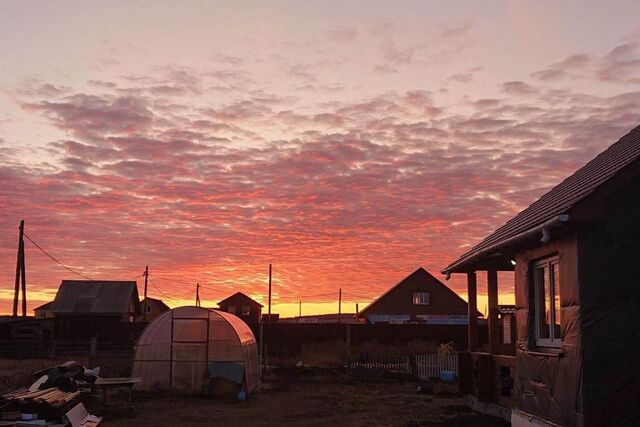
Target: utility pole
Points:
x,y
20,275
339,304
357,311
269,312
146,278
300,311
198,294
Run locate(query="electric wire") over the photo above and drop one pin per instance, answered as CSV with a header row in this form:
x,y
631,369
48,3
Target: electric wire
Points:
x,y
56,260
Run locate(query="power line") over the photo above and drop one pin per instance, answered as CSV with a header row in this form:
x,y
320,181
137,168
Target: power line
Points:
x,y
55,260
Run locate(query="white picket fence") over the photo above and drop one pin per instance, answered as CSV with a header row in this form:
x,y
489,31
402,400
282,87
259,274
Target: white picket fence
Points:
x,y
430,365
422,365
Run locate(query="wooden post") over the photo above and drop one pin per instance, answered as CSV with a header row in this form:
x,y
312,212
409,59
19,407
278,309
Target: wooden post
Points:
x,y
494,327
339,304
261,339
20,275
472,290
300,311
198,294
269,314
146,276
348,348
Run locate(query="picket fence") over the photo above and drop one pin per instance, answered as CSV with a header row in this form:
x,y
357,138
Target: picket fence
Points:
x,y
422,365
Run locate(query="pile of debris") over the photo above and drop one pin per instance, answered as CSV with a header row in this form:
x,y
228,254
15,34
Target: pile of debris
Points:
x,y
54,399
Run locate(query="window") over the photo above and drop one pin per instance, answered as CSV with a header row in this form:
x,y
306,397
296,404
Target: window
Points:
x,y
245,310
546,297
421,298
232,309
148,309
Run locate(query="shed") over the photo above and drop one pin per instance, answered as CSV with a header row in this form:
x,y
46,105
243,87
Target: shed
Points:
x,y
104,309
574,253
189,349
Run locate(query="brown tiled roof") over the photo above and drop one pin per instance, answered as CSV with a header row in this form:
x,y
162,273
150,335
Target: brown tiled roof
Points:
x,y
562,197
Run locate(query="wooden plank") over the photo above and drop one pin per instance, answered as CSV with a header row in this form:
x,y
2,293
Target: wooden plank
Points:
x,y
472,290
494,326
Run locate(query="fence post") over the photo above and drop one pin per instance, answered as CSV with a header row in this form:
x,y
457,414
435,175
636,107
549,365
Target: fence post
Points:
x,y
348,348
92,351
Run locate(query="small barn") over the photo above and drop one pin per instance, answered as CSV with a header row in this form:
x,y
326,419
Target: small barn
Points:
x,y
84,309
574,253
418,298
242,306
196,350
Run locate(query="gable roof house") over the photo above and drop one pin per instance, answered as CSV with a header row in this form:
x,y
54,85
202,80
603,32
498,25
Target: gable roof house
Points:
x,y
242,306
151,308
574,253
83,308
418,298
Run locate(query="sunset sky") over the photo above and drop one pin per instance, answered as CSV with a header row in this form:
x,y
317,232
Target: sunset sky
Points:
x,y
348,143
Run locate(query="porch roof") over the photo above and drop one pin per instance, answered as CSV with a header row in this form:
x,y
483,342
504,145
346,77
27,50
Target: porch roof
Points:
x,y
550,209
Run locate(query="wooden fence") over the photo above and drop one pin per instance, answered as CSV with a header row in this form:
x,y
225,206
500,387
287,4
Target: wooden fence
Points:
x,y
422,365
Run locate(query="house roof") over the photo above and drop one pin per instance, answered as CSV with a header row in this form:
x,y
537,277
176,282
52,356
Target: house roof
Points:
x,y
239,294
159,301
94,297
45,306
560,199
419,271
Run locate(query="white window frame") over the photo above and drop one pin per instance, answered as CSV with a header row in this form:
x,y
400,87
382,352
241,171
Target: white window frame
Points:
x,y
538,310
246,310
418,298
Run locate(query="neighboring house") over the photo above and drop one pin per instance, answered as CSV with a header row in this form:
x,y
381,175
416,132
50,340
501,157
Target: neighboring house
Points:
x,y
151,308
418,298
83,309
574,253
43,311
242,306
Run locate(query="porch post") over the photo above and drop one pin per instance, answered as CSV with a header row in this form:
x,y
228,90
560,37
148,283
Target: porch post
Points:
x,y
494,326
472,291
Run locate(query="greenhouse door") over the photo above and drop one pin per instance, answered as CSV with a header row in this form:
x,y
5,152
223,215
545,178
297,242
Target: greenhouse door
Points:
x,y
189,350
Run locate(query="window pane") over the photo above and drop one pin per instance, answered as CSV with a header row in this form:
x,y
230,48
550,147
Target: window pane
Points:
x,y
542,302
421,298
556,301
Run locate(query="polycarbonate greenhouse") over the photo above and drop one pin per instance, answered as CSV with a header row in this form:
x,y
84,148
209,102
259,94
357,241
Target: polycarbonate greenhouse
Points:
x,y
186,348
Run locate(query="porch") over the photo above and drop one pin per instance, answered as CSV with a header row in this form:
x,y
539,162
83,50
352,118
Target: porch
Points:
x,y
487,369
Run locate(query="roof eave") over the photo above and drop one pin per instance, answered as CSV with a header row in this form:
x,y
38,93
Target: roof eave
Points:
x,y
467,263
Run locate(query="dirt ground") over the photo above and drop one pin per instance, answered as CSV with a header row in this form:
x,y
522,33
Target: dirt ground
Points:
x,y
310,397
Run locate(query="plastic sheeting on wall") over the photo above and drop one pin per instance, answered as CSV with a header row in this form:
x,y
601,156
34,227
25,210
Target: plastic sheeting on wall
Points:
x,y
177,348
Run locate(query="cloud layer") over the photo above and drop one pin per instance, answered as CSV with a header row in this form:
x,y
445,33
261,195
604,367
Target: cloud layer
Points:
x,y
208,175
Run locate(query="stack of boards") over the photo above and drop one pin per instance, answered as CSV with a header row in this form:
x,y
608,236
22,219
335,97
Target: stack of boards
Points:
x,y
22,408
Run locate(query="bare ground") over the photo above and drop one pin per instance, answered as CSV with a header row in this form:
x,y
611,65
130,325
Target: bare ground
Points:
x,y
310,397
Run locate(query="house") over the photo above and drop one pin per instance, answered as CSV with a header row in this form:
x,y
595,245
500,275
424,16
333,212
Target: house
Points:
x,y
151,308
418,298
83,309
574,253
242,306
43,311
